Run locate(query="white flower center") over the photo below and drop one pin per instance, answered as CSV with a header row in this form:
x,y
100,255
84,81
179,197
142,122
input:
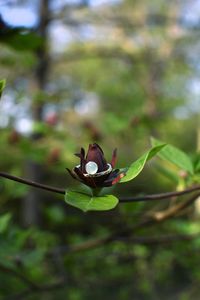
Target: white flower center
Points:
x,y
91,168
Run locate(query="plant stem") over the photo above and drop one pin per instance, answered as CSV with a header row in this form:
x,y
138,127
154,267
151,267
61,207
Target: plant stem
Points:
x,y
97,191
33,183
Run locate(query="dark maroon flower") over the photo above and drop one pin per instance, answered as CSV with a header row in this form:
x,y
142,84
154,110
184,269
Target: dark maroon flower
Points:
x,y
94,170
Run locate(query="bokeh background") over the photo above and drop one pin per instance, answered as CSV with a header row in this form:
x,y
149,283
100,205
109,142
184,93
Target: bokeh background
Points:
x,y
115,72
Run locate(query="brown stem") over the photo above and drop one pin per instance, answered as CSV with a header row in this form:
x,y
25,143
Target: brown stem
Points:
x,y
91,244
174,210
125,233
121,199
160,196
33,183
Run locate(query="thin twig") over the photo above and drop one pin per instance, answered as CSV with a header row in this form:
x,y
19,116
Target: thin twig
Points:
x,y
33,183
152,197
174,210
144,240
153,219
160,196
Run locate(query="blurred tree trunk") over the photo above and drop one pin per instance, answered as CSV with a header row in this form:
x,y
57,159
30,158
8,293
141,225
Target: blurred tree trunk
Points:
x,y
34,171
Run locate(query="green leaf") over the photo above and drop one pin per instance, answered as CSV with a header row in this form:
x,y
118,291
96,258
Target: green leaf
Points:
x,y
21,39
87,202
4,222
2,86
137,166
175,156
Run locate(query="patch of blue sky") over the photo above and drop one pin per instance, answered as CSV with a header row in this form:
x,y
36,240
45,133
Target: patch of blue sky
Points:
x,y
92,3
26,15
19,16
103,2
191,13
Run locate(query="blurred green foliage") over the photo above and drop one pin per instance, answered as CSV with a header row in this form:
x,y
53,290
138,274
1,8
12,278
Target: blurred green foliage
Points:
x,y
131,79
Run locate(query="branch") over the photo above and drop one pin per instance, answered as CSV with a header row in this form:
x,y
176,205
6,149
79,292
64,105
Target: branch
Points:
x,y
33,183
121,199
153,219
91,244
144,240
174,210
160,196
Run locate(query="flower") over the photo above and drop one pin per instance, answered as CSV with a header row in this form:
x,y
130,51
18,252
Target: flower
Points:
x,y
94,170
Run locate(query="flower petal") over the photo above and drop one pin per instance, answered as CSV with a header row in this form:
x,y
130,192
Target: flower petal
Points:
x,y
71,173
118,178
95,154
79,173
112,176
86,180
81,155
